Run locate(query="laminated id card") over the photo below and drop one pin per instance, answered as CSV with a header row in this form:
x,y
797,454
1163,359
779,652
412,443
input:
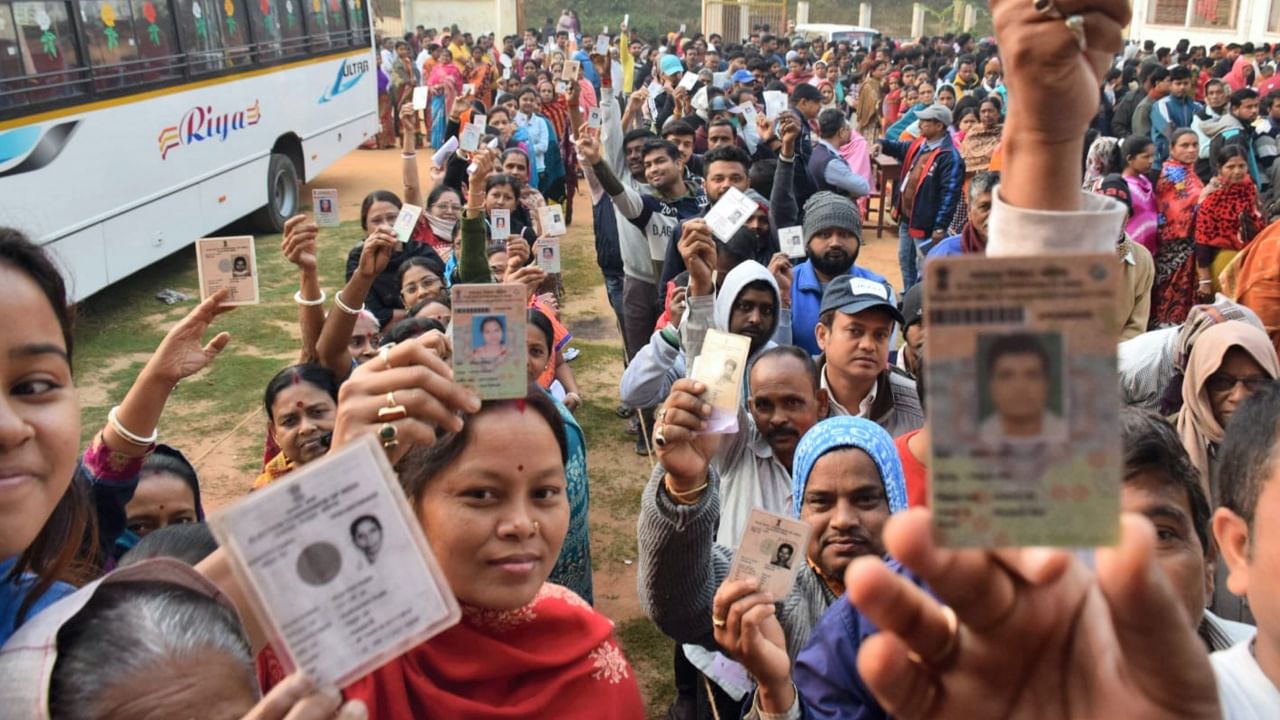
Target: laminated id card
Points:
x,y
336,566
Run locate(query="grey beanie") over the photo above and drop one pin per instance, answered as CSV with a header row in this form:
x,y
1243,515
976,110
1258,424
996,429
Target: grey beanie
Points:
x,y
825,210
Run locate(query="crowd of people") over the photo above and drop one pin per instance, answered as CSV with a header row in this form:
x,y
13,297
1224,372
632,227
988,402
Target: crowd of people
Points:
x,y
1052,137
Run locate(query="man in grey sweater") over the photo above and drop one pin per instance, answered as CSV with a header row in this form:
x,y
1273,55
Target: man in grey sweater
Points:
x,y
846,481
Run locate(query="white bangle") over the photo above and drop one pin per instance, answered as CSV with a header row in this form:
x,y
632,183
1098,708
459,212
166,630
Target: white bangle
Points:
x,y
138,440
337,300
408,156
297,297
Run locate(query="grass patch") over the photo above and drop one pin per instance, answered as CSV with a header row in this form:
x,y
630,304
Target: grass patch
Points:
x,y
650,653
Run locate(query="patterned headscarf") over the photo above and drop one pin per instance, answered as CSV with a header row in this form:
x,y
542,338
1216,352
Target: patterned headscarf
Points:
x,y
849,432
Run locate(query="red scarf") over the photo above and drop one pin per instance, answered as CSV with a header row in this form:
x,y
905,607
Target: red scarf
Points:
x,y
553,658
971,242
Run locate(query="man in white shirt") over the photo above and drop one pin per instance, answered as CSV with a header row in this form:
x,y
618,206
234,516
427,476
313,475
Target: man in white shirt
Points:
x,y
1247,528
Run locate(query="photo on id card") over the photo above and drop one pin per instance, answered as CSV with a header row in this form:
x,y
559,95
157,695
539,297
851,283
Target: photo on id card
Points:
x,y
336,565
772,550
720,366
489,352
1021,370
228,262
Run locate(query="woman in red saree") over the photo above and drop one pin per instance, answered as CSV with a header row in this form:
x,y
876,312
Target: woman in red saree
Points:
x,y
1227,220
1177,195
496,523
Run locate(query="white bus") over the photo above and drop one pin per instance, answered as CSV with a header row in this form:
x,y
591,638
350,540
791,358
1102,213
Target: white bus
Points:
x,y
129,128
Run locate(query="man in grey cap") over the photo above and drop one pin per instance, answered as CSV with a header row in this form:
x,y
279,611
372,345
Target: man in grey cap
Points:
x,y
832,239
931,180
855,331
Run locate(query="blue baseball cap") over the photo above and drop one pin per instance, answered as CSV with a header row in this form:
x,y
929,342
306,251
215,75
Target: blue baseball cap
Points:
x,y
852,295
743,77
670,65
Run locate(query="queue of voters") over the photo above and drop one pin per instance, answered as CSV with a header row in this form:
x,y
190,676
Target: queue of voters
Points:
x,y
1031,474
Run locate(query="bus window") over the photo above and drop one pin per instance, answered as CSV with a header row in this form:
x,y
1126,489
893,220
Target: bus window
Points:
x,y
47,44
235,32
337,23
11,80
157,40
292,30
359,22
317,23
265,17
109,40
200,28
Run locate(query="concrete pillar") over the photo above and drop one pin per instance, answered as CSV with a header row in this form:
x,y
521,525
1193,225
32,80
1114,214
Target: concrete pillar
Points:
x,y
802,12
406,15
864,15
970,16
917,20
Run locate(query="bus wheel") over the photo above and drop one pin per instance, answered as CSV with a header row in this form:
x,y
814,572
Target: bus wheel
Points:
x,y
282,195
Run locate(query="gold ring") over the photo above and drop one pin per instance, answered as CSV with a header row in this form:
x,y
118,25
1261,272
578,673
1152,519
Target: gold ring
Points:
x,y
395,412
718,622
953,641
384,352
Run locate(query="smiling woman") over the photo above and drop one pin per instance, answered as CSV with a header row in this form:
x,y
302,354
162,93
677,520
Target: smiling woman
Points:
x,y
301,402
52,526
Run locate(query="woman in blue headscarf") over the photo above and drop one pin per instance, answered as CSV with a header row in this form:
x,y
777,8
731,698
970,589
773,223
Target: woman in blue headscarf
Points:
x,y
830,491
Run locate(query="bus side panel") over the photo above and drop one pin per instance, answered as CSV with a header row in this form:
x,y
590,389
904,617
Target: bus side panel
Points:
x,y
82,257
233,194
150,232
324,149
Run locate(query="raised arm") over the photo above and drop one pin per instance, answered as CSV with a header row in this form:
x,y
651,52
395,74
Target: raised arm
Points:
x,y
113,460
333,349
409,157
299,246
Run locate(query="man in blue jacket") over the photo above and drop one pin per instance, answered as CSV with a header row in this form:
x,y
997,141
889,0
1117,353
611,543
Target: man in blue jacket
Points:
x,y
928,189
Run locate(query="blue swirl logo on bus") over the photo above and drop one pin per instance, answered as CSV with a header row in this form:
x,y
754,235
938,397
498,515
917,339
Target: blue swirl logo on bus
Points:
x,y
202,123
350,73
30,148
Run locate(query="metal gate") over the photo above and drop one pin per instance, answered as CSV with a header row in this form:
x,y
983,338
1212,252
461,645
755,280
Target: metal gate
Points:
x,y
735,19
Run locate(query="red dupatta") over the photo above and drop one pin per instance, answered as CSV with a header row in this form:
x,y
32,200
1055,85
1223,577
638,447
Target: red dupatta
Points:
x,y
553,658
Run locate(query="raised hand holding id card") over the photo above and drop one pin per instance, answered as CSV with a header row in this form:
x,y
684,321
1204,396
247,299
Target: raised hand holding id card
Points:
x,y
489,352
335,564
772,550
1021,364
720,366
228,262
